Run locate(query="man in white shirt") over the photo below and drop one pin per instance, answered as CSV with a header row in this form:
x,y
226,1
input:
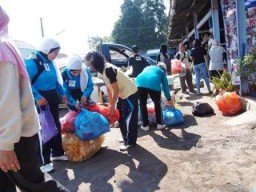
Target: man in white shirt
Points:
x,y
187,77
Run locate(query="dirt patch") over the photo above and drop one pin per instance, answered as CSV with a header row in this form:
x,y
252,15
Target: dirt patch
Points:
x,y
203,155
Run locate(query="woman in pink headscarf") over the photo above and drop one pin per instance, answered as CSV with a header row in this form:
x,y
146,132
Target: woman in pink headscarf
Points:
x,y
19,123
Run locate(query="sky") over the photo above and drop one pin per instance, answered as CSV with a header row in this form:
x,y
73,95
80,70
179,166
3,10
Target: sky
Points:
x,y
70,22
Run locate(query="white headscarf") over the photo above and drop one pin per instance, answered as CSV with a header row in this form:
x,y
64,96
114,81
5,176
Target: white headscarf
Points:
x,y
46,45
215,43
75,63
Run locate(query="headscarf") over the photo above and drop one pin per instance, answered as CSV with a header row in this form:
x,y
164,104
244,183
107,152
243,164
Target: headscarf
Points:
x,y
47,46
8,51
163,50
75,63
215,43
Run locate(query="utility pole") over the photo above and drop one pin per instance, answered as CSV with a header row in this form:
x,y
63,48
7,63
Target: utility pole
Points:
x,y
42,27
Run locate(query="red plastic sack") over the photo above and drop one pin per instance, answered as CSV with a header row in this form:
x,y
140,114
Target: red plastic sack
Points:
x,y
104,110
68,122
176,66
229,103
151,111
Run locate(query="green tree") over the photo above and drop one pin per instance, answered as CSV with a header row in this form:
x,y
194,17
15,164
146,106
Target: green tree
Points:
x,y
143,22
93,42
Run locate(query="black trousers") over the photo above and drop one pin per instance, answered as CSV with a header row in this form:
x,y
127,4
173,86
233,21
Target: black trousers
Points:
x,y
156,98
187,79
29,178
54,146
128,121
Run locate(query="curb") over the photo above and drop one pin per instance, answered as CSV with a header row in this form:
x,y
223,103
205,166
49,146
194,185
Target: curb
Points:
x,y
248,103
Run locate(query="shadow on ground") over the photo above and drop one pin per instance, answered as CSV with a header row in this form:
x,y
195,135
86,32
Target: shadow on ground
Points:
x,y
170,140
102,173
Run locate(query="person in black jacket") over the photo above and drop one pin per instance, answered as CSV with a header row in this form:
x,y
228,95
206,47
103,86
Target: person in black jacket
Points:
x,y
164,57
137,62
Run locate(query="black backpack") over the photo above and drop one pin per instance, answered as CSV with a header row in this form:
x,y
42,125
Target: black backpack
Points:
x,y
202,109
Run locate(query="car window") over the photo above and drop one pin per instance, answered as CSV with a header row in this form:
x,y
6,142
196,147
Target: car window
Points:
x,y
119,55
116,56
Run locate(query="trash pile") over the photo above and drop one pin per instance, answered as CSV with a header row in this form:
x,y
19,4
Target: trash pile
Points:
x,y
84,132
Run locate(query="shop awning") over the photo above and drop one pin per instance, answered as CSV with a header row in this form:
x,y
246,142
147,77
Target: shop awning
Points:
x,y
181,15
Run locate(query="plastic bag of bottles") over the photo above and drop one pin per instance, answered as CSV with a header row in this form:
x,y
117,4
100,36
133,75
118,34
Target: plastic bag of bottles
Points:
x,y
78,150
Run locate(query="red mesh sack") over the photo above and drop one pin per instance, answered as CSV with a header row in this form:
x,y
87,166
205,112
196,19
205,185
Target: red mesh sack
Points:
x,y
229,103
68,122
176,66
104,110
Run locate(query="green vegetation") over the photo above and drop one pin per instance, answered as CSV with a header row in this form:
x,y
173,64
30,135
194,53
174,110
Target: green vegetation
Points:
x,y
142,22
247,68
224,83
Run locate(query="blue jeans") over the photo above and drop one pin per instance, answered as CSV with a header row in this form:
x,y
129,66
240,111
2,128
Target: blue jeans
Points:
x,y
201,71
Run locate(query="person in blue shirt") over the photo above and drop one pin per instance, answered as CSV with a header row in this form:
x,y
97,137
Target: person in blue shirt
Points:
x,y
47,86
77,82
150,82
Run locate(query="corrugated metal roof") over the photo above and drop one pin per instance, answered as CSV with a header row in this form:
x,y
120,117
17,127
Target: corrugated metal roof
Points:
x,y
181,14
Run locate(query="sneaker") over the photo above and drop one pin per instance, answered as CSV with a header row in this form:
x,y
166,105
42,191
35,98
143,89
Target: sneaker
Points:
x,y
185,92
146,128
160,126
121,140
198,94
60,158
192,91
48,168
126,147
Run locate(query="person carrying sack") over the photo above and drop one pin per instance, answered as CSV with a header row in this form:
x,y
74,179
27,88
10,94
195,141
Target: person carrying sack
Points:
x,y
77,82
47,87
187,78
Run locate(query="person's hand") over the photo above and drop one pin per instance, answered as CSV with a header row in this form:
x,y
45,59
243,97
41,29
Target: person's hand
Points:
x,y
171,103
9,161
83,100
78,107
42,102
65,100
111,110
